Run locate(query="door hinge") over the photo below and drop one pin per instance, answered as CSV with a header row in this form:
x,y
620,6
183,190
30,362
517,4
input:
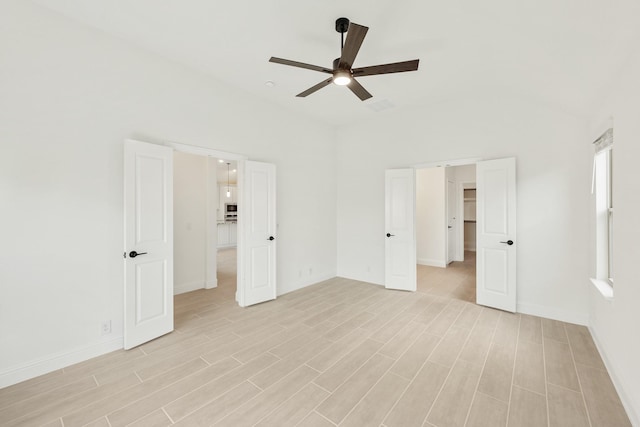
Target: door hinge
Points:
x,y
124,255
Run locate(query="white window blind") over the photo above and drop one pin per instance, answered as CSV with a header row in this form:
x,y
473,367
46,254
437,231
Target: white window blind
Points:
x,y
604,142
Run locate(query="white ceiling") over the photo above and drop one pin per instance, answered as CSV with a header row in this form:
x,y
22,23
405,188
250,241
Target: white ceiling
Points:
x,y
232,174
562,53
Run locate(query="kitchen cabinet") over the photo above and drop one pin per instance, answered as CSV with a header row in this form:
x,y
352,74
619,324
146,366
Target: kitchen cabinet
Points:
x,y
223,235
233,233
227,234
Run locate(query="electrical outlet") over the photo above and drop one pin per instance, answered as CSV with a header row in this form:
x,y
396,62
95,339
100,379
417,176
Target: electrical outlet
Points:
x,y
105,327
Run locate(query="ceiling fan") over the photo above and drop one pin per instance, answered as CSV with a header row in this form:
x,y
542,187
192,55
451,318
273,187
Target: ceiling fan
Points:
x,y
342,74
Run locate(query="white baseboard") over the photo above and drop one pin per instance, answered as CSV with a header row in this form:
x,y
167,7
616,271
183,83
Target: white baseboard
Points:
x,y
211,284
304,283
627,403
553,313
362,279
181,288
432,262
56,361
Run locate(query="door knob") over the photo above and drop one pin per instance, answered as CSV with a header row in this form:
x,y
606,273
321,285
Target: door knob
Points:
x,y
389,234
134,254
271,238
508,242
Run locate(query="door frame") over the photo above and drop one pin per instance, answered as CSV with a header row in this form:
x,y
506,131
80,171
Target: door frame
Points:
x,y
211,248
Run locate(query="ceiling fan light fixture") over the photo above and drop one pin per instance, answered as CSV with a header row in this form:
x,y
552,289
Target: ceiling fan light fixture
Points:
x,y
342,77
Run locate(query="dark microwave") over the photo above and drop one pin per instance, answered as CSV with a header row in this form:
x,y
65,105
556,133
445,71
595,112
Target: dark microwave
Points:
x,y
231,208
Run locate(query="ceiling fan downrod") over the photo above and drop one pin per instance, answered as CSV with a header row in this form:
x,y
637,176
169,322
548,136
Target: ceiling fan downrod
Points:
x,y
342,26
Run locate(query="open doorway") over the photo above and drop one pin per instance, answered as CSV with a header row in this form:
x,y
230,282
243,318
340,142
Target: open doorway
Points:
x,y
205,209
228,206
205,222
445,231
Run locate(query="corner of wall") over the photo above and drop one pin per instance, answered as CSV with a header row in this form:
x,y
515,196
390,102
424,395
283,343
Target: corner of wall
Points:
x,y
618,384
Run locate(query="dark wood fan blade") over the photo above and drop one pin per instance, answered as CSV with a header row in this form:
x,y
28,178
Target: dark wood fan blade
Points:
x,y
355,36
359,90
315,88
396,67
300,65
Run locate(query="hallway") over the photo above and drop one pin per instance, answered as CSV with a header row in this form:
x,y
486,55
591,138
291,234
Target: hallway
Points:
x,y
457,281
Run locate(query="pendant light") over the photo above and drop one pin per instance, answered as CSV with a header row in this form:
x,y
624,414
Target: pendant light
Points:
x,y
228,187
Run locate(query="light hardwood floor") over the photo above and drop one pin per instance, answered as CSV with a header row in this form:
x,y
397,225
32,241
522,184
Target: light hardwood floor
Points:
x,y
341,352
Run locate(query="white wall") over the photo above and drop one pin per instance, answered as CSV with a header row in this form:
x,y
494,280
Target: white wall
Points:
x,y
189,222
69,96
430,217
553,174
614,324
466,173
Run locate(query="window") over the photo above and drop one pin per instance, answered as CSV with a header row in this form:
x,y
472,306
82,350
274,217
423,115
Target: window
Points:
x,y
603,186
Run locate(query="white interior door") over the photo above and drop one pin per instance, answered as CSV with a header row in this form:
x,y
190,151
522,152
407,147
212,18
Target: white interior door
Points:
x,y
257,234
400,224
496,234
451,221
148,242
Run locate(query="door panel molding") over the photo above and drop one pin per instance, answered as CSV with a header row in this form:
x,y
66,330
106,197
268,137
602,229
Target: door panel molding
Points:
x,y
496,225
257,232
148,230
400,229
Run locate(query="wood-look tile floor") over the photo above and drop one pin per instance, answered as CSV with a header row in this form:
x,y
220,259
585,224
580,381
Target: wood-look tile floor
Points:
x,y
341,352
